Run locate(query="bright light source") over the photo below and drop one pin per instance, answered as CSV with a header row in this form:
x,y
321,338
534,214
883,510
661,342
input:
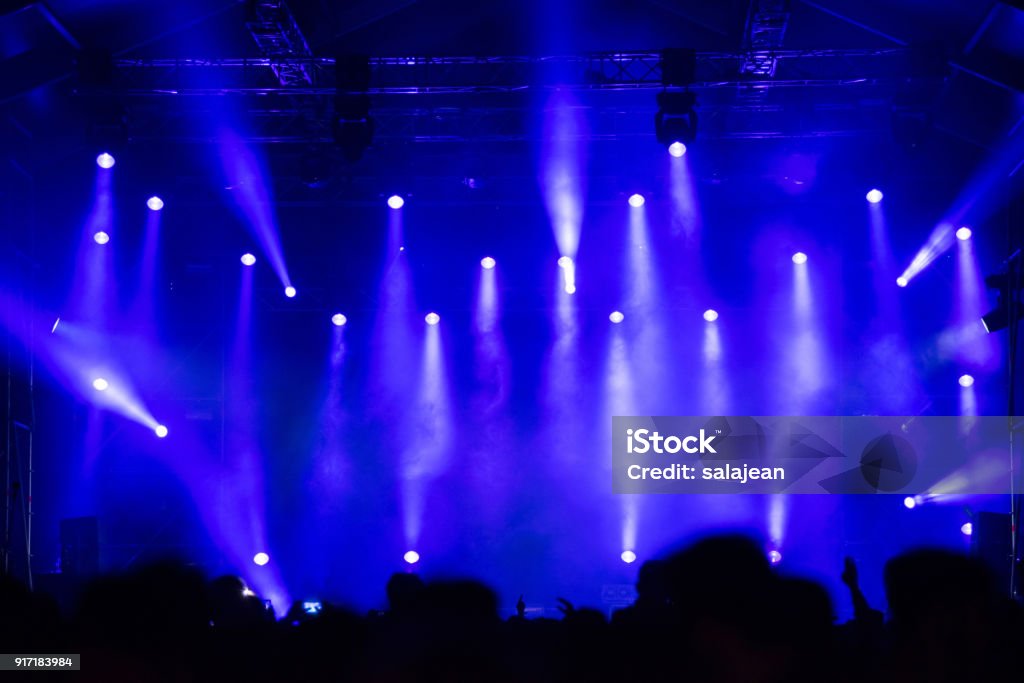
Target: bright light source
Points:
x,y
628,556
677,149
338,319
411,557
966,381
774,556
396,202
963,233
290,292
874,196
570,289
105,160
711,315
901,281
636,200
564,262
616,317
487,262
432,318
101,237
100,384
967,528
248,592
799,257
248,259
55,323
910,502
160,431
261,558
155,203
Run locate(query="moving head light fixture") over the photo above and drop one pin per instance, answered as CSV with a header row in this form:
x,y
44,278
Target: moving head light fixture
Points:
x,y
675,123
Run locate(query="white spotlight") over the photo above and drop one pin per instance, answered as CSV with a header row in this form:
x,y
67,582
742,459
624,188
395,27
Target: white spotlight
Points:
x,y
677,149
966,381
396,202
160,431
628,556
963,234
616,317
711,315
432,318
901,281
636,200
261,559
100,384
248,259
155,203
338,319
799,257
874,196
290,292
101,237
411,557
564,262
487,262
105,160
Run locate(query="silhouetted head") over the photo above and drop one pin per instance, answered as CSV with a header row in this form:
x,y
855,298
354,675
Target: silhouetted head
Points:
x,y
404,592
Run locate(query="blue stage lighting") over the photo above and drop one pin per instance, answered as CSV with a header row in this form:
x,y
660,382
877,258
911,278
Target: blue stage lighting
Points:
x,y
101,237
966,381
100,384
963,234
901,281
261,559
105,160
636,200
396,202
248,259
628,556
616,317
774,556
874,196
910,502
487,262
677,149
432,318
338,319
160,431
711,315
155,203
799,258
290,292
411,557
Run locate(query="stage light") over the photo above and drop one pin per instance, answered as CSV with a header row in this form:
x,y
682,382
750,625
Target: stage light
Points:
x,y
616,317
160,431
432,318
636,200
100,384
799,258
101,237
105,160
966,381
261,559
155,203
628,556
675,122
570,289
711,315
564,262
396,202
248,259
411,557
963,234
910,502
677,149
487,262
774,556
901,281
338,319
55,323
967,528
290,292
874,196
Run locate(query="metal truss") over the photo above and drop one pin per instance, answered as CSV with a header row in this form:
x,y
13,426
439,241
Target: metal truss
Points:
x,y
278,37
454,75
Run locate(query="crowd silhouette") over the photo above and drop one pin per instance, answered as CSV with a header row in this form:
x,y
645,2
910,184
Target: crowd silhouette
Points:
x,y
714,611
